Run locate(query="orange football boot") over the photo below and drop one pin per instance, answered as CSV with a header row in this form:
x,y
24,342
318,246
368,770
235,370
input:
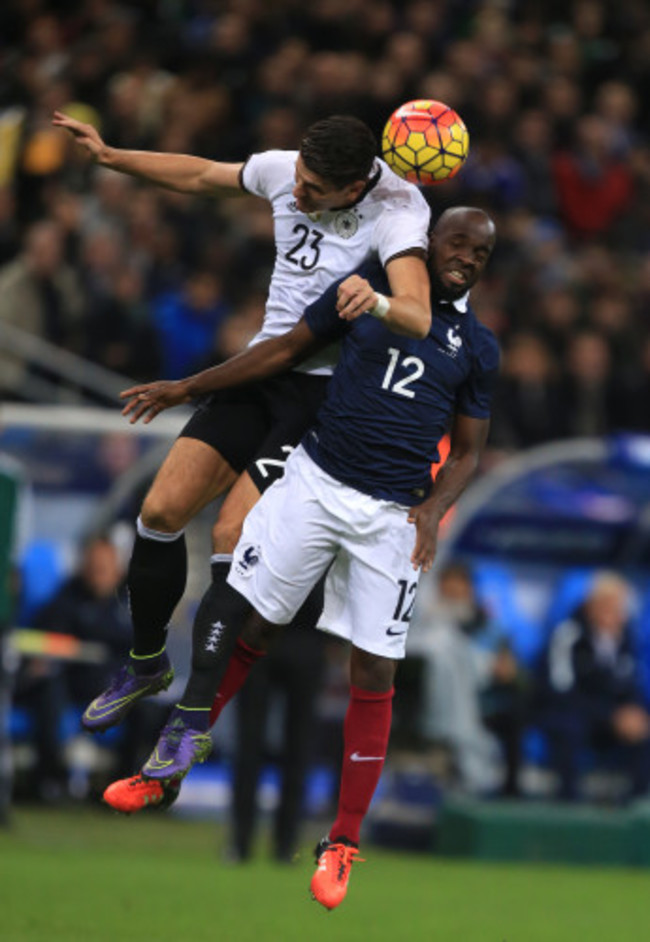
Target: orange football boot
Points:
x,y
130,795
330,882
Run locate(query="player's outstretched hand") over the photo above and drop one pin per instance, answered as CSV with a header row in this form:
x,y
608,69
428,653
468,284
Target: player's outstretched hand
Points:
x,y
145,402
354,297
84,134
426,519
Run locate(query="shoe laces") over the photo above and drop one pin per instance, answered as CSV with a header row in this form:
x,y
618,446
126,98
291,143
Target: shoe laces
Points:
x,y
347,855
173,734
117,681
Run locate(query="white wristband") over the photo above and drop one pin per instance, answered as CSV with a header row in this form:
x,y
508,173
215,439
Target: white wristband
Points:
x,y
381,308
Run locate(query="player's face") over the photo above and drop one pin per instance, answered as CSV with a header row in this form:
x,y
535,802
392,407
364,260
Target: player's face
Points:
x,y
458,256
313,194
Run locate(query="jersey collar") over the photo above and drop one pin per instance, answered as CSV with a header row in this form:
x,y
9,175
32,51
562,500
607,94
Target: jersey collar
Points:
x,y
460,304
373,180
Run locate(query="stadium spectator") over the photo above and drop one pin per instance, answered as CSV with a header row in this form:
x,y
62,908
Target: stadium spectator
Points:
x,y
473,688
187,323
594,186
595,402
529,408
591,696
40,294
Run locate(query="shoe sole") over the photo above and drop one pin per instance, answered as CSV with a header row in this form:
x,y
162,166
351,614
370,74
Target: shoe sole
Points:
x,y
161,805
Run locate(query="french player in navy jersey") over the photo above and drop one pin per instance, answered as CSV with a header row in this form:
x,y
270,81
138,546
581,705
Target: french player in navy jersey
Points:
x,y
357,500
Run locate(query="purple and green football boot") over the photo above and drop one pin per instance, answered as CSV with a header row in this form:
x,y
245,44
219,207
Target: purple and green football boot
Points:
x,y
126,688
177,750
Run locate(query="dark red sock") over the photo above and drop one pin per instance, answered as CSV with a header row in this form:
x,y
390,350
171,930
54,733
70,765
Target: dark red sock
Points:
x,y
239,665
365,741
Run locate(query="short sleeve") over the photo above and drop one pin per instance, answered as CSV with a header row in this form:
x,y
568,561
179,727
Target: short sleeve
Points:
x,y
403,225
269,173
474,397
322,317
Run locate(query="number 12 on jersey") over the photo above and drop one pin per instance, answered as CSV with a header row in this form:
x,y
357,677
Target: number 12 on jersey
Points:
x,y
401,385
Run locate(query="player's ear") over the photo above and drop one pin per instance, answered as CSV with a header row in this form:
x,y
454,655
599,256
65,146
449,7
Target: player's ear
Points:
x,y
354,190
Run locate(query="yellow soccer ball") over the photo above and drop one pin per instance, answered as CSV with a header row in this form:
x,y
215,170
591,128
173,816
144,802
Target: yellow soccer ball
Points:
x,y
425,141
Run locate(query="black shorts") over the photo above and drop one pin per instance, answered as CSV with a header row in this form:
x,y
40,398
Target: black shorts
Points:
x,y
255,427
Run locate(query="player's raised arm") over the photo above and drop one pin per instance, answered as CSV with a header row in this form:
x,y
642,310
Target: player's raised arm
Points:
x,y
408,309
181,172
258,362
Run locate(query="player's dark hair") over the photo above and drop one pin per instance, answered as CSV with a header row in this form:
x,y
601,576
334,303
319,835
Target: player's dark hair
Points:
x,y
340,149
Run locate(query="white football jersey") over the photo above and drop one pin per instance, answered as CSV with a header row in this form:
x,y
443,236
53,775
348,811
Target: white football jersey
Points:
x,y
313,250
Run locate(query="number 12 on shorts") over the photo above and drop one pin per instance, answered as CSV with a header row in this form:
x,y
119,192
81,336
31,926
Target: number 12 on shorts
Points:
x,y
405,601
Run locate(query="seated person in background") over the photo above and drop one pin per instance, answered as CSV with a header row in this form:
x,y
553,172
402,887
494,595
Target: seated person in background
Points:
x,y
91,606
472,685
590,691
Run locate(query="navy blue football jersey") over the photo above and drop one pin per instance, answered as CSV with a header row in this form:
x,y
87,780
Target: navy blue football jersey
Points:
x,y
392,398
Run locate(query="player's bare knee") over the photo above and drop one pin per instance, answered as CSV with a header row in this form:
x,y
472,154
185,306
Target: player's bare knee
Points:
x,y
158,514
371,672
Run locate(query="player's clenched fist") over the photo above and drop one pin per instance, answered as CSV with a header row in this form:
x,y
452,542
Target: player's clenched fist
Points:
x,y
354,297
84,134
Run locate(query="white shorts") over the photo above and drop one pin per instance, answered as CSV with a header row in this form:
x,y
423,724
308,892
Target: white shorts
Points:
x,y
307,522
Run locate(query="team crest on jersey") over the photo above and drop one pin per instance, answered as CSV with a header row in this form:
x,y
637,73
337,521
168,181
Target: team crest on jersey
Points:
x,y
292,206
346,223
454,342
247,559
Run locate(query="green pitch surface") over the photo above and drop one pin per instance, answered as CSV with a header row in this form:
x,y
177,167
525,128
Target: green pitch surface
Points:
x,y
88,877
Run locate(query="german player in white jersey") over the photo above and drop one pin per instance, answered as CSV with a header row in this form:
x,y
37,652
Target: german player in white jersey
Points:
x,y
314,248
334,205
350,496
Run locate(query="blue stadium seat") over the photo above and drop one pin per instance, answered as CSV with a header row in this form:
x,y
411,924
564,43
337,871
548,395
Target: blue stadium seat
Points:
x,y
42,571
644,642
495,586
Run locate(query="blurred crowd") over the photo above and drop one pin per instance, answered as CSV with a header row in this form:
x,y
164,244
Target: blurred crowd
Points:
x,y
556,97
578,706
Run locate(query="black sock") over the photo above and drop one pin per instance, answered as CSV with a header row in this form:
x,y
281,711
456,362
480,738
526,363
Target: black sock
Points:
x,y
216,628
156,582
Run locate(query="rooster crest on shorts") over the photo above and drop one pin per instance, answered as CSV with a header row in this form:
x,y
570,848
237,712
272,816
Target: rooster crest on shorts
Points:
x,y
249,557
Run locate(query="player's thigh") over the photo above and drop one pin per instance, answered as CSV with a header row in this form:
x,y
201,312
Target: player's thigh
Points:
x,y
293,401
288,541
370,589
232,422
191,476
241,498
